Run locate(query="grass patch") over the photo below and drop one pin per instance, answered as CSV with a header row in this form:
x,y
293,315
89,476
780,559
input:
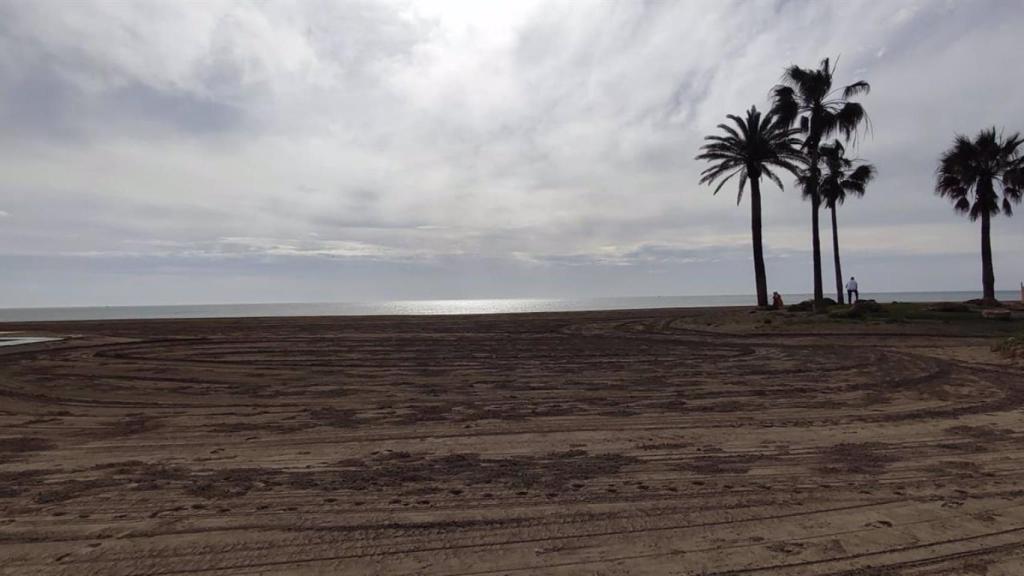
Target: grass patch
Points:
x,y
928,313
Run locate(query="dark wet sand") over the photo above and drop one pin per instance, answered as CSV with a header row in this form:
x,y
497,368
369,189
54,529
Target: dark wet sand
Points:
x,y
639,442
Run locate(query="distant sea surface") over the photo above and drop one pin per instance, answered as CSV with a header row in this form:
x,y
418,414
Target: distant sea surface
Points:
x,y
430,307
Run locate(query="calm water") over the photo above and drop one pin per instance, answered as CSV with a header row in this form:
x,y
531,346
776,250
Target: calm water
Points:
x,y
408,307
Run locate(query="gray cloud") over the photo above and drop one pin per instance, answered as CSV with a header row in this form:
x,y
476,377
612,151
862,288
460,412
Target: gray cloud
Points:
x,y
420,140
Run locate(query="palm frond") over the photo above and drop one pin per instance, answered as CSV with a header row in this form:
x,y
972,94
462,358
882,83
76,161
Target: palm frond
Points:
x,y
766,171
856,89
849,118
785,107
726,179
713,173
730,131
743,184
863,174
788,165
1013,193
975,210
744,133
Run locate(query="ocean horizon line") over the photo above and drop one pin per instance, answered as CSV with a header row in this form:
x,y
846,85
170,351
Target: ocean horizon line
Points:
x,y
432,307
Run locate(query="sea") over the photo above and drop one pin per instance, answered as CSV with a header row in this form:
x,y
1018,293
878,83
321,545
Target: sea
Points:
x,y
436,307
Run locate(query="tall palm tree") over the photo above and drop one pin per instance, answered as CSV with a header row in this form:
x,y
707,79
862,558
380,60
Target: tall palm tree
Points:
x,y
806,96
841,176
756,147
969,174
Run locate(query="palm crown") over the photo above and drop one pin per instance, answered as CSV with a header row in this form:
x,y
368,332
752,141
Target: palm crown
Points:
x,y
969,170
807,95
842,176
754,148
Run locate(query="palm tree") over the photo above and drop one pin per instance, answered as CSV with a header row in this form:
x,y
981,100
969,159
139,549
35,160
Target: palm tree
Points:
x,y
756,147
968,175
842,176
806,96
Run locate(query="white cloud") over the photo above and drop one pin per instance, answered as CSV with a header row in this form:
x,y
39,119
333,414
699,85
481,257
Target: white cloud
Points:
x,y
514,131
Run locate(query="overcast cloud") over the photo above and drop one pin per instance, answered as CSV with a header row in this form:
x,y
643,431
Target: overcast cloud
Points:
x,y
223,151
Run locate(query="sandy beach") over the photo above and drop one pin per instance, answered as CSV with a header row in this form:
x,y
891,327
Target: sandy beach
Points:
x,y
697,441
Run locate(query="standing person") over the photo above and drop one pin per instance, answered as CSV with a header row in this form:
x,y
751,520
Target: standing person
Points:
x,y
851,290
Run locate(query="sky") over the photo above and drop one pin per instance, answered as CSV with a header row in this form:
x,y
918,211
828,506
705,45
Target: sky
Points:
x,y
167,152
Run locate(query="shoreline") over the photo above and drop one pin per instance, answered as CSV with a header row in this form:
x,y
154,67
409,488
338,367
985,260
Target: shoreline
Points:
x,y
439,307
14,326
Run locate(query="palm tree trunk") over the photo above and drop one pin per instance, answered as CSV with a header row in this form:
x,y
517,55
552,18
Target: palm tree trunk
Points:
x,y
988,275
835,256
812,185
760,278
819,292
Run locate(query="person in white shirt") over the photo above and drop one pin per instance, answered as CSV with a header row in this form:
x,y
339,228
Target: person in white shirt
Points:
x,y
851,290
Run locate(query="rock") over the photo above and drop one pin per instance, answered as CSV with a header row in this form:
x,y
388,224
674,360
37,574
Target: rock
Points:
x,y
866,306
805,306
808,305
860,309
